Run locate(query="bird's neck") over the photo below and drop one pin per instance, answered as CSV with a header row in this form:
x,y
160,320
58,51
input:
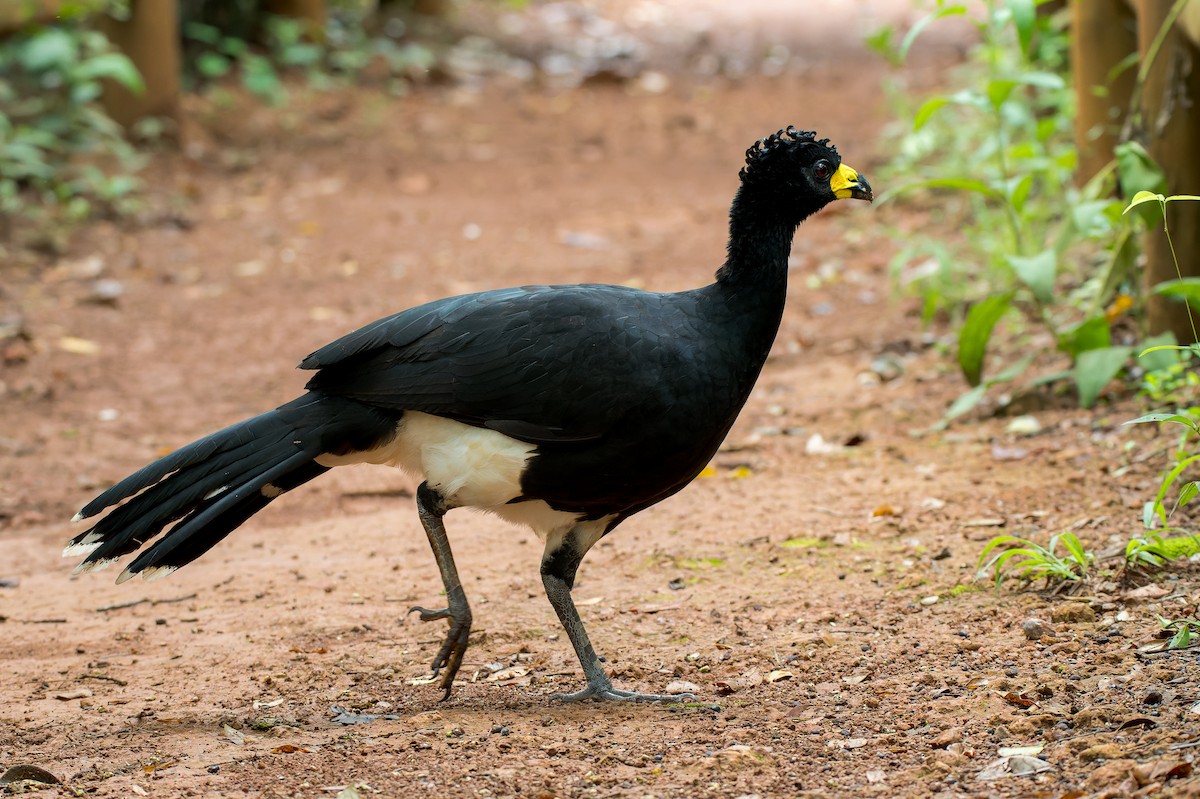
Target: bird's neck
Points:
x,y
760,239
752,283
746,301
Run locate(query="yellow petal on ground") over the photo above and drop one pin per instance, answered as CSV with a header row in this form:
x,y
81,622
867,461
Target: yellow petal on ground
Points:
x,y
78,346
708,471
741,472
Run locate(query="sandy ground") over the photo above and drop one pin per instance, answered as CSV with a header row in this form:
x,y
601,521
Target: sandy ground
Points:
x,y
819,598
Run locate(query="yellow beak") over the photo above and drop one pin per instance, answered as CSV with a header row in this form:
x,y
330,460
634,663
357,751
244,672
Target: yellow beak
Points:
x,y
846,183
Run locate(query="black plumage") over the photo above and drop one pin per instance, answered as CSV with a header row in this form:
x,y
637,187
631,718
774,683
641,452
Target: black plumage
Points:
x,y
609,399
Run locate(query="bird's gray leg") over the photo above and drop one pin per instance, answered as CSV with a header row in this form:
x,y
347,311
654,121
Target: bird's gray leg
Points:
x,y
558,576
431,507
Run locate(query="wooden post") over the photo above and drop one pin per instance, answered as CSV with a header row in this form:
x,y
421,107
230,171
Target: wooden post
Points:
x,y
1103,32
150,38
1171,130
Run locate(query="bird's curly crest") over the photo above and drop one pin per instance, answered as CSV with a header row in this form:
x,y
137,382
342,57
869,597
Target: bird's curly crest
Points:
x,y
787,137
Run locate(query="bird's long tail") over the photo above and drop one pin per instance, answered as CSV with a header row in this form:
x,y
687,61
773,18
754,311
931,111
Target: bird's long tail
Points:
x,y
211,486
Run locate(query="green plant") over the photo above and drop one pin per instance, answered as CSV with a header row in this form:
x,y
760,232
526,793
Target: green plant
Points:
x,y
1028,561
1184,630
220,42
62,159
1053,261
1172,379
1152,551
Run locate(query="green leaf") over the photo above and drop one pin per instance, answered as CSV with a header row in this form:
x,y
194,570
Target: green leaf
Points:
x,y
1090,334
965,402
975,333
1024,15
1144,197
1160,352
212,65
998,92
200,32
1137,171
1013,371
923,23
50,49
881,43
1095,368
116,67
1042,80
1037,272
1187,493
927,110
1162,417
1186,288
1019,192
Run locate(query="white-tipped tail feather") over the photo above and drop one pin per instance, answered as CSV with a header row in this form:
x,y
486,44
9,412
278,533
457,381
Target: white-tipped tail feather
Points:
x,y
85,546
157,572
94,565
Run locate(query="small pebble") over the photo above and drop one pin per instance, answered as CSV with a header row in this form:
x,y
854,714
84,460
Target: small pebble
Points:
x,y
1036,629
1024,426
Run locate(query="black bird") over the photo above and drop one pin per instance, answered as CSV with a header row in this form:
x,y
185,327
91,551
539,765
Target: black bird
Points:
x,y
565,408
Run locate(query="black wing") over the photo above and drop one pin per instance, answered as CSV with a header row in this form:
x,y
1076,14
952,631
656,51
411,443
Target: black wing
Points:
x,y
541,364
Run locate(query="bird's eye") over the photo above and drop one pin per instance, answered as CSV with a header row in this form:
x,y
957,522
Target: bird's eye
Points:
x,y
822,170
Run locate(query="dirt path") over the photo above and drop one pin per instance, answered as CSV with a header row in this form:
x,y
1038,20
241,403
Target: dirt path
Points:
x,y
820,595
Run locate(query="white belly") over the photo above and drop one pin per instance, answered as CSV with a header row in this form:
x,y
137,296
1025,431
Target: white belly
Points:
x,y
469,466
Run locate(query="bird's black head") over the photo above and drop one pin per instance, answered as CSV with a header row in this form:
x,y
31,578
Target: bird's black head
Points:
x,y
796,174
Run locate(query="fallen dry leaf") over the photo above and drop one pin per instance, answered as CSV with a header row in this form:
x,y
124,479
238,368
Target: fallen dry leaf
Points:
x,y
510,673
987,521
1017,766
682,687
234,736
1022,751
287,749
1161,771
1150,591
1020,700
848,743
779,674
750,679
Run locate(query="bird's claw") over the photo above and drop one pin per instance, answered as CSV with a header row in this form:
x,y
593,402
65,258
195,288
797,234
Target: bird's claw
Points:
x,y
425,614
607,693
454,648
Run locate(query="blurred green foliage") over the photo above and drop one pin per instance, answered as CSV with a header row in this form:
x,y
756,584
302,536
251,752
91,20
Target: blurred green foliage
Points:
x,y
994,155
62,159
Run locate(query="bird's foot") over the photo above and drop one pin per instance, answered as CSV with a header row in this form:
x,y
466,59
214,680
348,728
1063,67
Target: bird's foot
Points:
x,y
605,692
450,656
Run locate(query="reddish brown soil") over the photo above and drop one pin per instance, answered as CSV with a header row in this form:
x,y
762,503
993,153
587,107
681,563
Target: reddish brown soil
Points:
x,y
810,595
